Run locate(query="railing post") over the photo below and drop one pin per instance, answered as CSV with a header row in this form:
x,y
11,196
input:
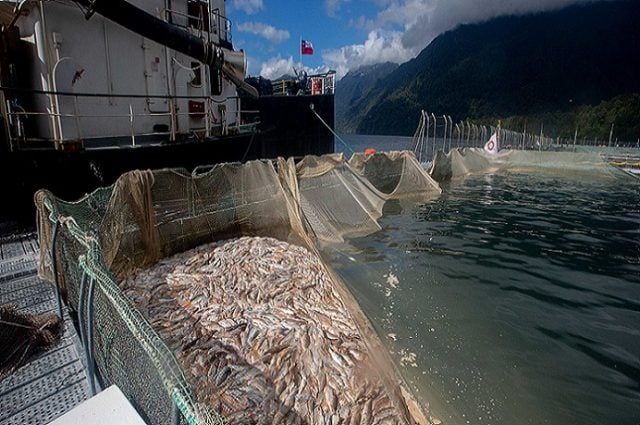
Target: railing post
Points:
x,y
172,108
75,111
239,112
133,135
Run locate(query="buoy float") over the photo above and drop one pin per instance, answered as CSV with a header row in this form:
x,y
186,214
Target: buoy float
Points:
x,y
369,151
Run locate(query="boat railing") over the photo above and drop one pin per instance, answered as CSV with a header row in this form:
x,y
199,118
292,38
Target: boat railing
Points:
x,y
67,128
202,22
317,84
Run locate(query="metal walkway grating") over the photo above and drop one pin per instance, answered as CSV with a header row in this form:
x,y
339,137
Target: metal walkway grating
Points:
x,y
53,382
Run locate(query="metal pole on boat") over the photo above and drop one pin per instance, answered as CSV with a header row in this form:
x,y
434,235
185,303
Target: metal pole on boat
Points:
x,y
46,79
133,134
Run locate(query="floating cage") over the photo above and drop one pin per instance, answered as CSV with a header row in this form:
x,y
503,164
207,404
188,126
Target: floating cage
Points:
x,y
147,216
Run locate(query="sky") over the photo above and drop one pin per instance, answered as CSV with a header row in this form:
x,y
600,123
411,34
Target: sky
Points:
x,y
347,34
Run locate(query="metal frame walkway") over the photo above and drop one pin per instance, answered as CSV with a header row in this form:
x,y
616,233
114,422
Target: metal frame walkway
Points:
x,y
55,381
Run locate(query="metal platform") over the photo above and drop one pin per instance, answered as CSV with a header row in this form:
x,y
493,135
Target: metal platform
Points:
x,y
53,382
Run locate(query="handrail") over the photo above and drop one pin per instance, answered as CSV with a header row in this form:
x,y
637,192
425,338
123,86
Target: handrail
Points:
x,y
114,95
223,31
16,113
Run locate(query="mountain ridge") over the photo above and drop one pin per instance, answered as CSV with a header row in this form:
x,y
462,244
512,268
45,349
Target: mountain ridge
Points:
x,y
516,65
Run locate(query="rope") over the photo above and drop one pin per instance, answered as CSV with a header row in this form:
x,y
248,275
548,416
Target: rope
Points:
x,y
330,129
18,325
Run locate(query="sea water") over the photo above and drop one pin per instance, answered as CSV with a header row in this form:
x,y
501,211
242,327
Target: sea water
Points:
x,y
510,299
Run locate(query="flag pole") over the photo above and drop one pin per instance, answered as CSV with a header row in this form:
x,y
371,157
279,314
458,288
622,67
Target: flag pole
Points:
x,y
300,51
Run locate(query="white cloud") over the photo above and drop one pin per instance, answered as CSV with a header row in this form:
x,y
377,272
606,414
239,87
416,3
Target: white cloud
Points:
x,y
402,28
380,46
269,32
423,20
277,67
333,6
248,6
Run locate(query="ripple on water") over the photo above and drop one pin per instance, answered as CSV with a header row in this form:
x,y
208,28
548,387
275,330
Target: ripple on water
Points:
x,y
520,299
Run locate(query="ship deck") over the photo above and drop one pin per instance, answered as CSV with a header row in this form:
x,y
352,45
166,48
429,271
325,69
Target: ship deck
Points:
x,y
55,381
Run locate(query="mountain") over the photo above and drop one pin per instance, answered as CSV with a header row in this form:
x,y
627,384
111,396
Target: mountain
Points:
x,y
517,65
352,87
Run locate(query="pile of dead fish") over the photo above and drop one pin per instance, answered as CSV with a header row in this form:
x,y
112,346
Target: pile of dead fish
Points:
x,y
262,335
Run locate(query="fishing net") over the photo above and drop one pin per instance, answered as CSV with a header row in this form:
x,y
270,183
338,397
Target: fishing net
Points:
x,y
23,336
464,161
340,198
395,174
148,216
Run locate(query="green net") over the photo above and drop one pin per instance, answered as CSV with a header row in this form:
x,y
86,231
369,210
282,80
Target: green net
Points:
x,y
147,216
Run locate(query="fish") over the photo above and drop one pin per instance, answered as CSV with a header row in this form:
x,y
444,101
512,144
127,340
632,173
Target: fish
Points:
x,y
262,334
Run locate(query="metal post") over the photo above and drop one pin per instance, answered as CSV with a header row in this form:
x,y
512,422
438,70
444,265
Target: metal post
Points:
x,y
173,118
428,123
133,135
416,135
239,111
450,131
78,128
421,136
435,125
444,139
54,266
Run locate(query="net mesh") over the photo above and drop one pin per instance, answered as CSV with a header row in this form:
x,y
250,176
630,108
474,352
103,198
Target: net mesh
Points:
x,y
464,161
395,174
149,215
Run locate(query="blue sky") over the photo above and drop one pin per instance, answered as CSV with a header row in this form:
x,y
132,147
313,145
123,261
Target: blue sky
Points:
x,y
349,33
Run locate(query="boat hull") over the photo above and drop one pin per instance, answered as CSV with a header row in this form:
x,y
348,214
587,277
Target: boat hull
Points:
x,y
287,128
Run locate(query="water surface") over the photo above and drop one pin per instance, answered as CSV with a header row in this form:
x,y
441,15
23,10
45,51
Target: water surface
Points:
x,y
518,295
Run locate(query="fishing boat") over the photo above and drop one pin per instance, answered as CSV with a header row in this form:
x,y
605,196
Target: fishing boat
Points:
x,y
93,88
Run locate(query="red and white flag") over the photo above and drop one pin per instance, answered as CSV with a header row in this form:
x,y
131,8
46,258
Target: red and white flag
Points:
x,y
306,48
492,145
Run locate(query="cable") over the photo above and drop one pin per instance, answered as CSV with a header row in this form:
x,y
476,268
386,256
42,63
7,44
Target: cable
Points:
x,y
330,129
